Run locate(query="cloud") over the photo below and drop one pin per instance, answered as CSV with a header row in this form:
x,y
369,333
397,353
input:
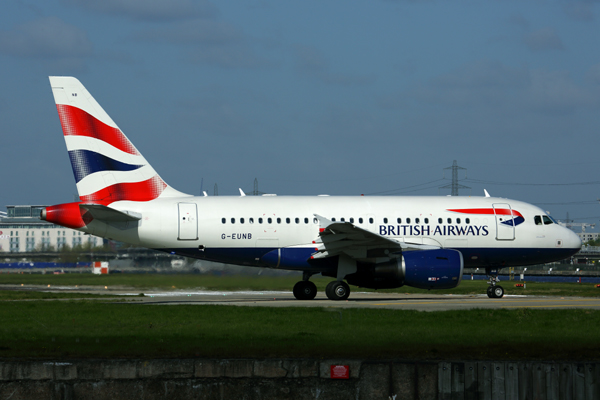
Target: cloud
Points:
x,y
150,10
198,31
555,92
213,43
230,57
310,62
579,10
593,74
500,88
544,39
48,38
482,82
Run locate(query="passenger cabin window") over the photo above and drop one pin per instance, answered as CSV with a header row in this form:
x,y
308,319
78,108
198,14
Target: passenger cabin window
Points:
x,y
333,219
250,220
399,220
547,220
351,220
360,220
297,220
440,220
467,221
538,220
426,220
458,220
223,220
287,220
241,220
315,221
306,220
233,220
370,220
278,220
449,220
260,220
417,220
385,220
343,219
270,220
408,220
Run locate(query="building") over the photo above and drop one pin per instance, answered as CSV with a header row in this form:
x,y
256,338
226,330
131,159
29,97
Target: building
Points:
x,y
587,236
21,231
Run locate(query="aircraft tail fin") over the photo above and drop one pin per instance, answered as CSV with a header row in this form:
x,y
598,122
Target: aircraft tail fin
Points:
x,y
106,165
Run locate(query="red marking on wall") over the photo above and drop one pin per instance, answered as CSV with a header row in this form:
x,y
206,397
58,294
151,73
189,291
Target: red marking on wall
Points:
x,y
340,372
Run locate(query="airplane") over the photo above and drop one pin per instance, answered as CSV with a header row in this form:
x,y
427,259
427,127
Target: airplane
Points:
x,y
367,241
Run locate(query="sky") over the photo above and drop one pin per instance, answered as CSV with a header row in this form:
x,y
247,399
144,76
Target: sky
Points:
x,y
336,97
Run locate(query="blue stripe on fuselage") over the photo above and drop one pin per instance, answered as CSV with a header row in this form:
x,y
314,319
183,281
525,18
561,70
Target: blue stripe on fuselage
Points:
x,y
299,258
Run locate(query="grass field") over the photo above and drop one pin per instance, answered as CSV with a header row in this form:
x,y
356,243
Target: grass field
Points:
x,y
93,329
41,327
241,282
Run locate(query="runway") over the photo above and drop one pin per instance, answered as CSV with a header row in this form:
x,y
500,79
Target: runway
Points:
x,y
427,302
394,301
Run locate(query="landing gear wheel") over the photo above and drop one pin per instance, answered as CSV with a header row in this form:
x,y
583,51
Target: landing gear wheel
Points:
x,y
498,291
305,290
337,290
494,291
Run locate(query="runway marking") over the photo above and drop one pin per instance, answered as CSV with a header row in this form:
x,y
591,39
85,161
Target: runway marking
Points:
x,y
557,305
593,302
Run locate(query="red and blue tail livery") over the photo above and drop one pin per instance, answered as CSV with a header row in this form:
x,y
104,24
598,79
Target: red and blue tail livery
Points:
x,y
106,165
372,242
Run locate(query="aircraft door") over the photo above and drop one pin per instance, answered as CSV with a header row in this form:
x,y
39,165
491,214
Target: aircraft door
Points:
x,y
188,221
505,226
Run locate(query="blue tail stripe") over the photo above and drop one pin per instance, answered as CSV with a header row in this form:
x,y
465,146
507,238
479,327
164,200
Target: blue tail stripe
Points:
x,y
86,162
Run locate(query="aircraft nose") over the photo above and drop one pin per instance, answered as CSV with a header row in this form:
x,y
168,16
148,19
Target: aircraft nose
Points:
x,y
572,241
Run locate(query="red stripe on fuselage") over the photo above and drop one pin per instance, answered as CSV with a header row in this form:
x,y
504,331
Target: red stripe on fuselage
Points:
x,y
76,122
488,211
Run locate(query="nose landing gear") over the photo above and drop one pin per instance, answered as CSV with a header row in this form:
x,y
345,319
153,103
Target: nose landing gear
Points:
x,y
494,291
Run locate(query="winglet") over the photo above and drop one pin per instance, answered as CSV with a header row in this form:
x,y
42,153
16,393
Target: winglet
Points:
x,y
323,222
486,193
242,192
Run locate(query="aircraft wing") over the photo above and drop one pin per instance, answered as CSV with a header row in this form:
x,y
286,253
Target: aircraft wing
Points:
x,y
336,238
107,214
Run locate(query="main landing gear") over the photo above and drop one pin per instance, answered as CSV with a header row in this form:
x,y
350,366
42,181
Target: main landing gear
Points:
x,y
494,291
337,290
305,289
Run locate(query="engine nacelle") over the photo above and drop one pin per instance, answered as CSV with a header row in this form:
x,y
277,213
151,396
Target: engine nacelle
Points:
x,y
424,269
432,269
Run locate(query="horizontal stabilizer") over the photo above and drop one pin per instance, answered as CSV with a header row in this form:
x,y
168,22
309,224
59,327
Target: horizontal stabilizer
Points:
x,y
107,214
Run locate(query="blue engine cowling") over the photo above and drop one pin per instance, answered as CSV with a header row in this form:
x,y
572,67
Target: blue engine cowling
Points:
x,y
432,269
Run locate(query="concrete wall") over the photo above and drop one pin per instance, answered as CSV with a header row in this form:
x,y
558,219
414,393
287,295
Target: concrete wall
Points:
x,y
295,379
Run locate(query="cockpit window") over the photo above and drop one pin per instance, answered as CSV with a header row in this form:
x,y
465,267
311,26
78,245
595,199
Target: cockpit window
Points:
x,y
538,220
547,220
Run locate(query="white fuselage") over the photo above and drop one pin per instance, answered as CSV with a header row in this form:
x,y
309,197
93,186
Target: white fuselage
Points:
x,y
239,230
